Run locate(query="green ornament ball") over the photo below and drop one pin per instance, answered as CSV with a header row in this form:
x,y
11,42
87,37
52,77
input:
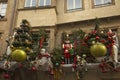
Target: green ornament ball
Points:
x,y
19,55
98,50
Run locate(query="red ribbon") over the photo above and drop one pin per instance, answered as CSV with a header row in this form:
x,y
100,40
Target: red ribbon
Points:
x,y
45,55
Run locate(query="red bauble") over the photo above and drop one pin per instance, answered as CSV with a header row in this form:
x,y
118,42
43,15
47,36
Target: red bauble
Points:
x,y
97,37
6,76
34,68
74,66
62,62
20,65
109,38
86,38
94,31
113,41
103,41
84,44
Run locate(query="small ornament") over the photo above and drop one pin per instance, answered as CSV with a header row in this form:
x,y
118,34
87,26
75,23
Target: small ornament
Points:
x,y
103,41
98,50
84,44
97,38
57,64
109,38
6,76
34,68
51,72
93,42
74,66
19,55
20,65
62,63
86,38
27,49
7,64
94,32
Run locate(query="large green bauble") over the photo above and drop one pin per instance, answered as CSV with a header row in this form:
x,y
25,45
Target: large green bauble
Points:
x,y
19,55
98,50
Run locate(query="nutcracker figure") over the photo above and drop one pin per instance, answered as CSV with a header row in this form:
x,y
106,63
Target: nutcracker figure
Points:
x,y
67,46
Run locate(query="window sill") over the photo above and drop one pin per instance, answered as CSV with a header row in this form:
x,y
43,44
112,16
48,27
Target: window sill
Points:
x,y
102,5
39,7
3,19
74,10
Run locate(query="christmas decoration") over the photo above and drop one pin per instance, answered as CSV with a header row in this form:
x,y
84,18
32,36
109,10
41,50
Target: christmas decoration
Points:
x,y
98,49
57,60
81,66
6,75
67,47
24,48
57,57
19,55
45,60
106,66
102,43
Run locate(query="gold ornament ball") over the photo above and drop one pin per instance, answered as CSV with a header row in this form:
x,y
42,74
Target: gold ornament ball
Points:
x,y
19,55
98,49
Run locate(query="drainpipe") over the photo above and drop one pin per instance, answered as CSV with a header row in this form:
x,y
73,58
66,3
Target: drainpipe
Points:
x,y
12,18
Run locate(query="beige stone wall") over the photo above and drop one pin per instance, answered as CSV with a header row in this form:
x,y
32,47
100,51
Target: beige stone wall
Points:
x,y
37,17
87,13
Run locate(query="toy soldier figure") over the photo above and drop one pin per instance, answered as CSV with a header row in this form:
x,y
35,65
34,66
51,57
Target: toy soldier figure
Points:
x,y
67,46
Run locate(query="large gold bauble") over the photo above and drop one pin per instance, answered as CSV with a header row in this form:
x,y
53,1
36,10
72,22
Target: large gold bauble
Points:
x,y
98,50
19,55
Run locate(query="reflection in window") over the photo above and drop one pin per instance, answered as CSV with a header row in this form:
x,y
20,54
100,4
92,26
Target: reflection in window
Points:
x,y
30,3
102,2
44,2
3,7
35,3
74,4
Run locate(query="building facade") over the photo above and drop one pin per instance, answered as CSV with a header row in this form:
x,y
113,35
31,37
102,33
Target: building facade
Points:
x,y
7,18
59,16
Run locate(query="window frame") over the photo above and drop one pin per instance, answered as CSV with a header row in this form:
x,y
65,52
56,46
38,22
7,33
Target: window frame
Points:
x,y
1,4
102,5
75,9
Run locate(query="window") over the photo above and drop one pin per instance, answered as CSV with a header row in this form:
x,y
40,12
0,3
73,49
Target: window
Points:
x,y
30,3
35,3
3,7
74,4
44,2
102,2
